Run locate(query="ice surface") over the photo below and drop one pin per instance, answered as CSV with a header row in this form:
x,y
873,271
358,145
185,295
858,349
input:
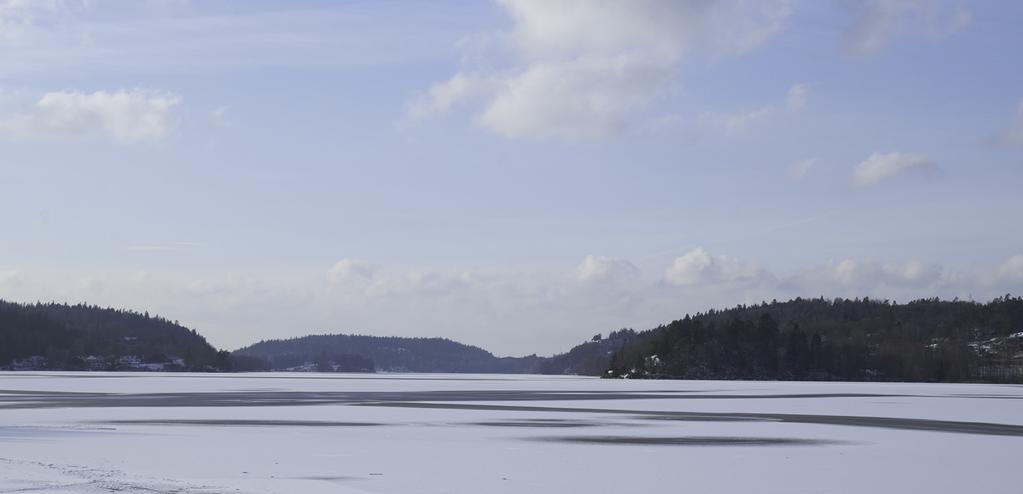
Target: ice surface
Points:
x,y
391,433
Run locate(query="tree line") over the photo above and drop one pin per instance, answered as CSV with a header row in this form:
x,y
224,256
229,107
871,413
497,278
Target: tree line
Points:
x,y
71,337
835,339
816,339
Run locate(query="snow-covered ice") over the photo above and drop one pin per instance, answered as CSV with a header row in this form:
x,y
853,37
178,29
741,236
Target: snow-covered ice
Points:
x,y
403,433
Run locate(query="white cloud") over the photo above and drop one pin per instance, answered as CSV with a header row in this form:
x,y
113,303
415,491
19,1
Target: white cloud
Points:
x,y
689,268
795,100
443,96
850,277
801,169
600,268
124,116
881,166
1007,276
736,122
219,112
1011,269
349,270
913,273
879,22
848,272
699,267
10,278
580,70
418,283
578,99
220,115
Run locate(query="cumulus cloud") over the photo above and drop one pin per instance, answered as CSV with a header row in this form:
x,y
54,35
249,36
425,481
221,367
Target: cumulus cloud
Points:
x,y
581,99
124,116
689,268
801,169
349,270
914,273
1010,270
877,23
1006,277
699,267
600,268
579,70
881,166
851,277
849,272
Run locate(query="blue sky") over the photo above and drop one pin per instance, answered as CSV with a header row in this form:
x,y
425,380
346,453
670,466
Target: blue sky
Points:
x,y
518,174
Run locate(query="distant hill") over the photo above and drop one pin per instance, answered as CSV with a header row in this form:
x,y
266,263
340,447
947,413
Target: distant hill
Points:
x,y
839,339
397,354
816,339
387,353
84,337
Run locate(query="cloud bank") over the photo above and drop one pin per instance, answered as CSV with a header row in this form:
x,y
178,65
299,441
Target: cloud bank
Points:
x,y
507,311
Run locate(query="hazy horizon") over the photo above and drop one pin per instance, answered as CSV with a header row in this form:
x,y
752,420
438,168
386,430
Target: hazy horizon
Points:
x,y
514,175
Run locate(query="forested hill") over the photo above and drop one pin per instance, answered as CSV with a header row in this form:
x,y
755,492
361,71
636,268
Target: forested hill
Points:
x,y
385,353
840,339
72,337
820,339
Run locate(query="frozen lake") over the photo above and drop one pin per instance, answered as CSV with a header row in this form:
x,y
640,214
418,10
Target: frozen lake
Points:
x,y
404,433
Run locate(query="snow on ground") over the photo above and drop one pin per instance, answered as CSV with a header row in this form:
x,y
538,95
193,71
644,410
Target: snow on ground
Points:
x,y
398,433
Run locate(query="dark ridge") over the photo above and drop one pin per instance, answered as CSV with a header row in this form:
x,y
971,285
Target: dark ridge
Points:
x,y
927,340
56,336
385,353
